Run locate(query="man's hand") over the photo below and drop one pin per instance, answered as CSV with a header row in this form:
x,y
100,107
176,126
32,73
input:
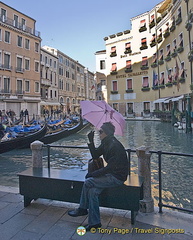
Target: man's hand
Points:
x,y
91,136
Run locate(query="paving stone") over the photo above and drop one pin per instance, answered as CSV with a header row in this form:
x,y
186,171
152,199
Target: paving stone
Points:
x,y
60,231
12,198
9,211
45,220
35,209
15,224
23,235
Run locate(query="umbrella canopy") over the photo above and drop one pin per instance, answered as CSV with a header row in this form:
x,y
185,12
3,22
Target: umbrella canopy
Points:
x,y
98,112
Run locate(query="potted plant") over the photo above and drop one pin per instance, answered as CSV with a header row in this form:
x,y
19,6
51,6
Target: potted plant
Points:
x,y
114,92
143,47
154,65
142,29
160,62
128,70
166,34
152,44
180,49
169,84
145,89
174,54
129,90
173,27
168,58
188,26
190,56
152,24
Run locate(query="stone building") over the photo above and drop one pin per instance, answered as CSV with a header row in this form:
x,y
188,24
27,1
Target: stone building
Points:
x,y
149,67
19,62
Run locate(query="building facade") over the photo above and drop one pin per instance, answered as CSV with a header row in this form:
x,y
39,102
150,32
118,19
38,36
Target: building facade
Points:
x,y
49,82
19,62
149,67
75,83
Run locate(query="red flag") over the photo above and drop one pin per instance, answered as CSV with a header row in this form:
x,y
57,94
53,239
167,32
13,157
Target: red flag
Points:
x,y
177,76
93,86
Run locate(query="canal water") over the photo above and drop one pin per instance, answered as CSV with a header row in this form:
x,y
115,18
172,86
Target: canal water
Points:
x,y
177,170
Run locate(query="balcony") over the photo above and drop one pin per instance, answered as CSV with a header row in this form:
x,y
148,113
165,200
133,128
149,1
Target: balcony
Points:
x,y
6,67
143,47
19,26
113,54
142,29
19,70
128,70
19,92
5,91
45,82
114,92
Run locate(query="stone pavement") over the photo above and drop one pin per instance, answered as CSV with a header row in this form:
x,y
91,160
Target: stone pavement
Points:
x,y
48,220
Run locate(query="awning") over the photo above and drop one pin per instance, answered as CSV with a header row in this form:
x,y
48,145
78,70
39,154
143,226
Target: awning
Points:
x,y
160,100
164,6
175,99
49,103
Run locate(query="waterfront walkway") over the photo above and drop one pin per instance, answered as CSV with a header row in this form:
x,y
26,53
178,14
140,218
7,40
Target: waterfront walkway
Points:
x,y
49,220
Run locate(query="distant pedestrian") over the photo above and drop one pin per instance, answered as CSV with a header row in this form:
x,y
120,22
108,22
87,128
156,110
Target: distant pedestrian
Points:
x,y
26,114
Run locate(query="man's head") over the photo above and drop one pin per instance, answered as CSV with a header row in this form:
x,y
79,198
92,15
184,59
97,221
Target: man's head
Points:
x,y
106,129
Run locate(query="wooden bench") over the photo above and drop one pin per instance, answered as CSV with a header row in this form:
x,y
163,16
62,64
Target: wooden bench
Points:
x,y
66,185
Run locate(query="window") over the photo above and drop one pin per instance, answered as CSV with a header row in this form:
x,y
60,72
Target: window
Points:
x,y
155,79
50,62
130,107
19,64
46,59
27,86
27,44
3,14
19,86
143,41
102,64
6,85
54,64
154,59
36,47
181,43
61,70
127,46
162,80
153,38
114,86
161,57
36,66
152,18
145,82
27,64
169,71
182,72
7,61
129,84
174,44
128,64
115,106
113,52
16,21
23,23
144,61
37,86
168,51
7,37
51,94
19,41
67,74
0,34
146,106
114,67
179,13
142,23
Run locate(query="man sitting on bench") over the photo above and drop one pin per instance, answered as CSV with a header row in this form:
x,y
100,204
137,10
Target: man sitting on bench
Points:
x,y
112,175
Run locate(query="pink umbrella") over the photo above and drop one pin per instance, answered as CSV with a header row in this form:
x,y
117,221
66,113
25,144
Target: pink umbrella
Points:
x,y
98,112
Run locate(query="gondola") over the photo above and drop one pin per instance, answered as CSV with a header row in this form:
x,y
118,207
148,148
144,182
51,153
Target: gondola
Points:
x,y
22,141
55,135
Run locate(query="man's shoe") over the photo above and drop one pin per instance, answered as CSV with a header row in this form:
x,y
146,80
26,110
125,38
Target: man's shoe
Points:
x,y
78,212
89,227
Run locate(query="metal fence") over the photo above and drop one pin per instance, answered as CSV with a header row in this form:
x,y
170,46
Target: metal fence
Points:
x,y
129,151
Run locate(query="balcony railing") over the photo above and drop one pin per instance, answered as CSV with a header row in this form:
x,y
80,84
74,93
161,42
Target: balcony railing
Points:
x,y
19,26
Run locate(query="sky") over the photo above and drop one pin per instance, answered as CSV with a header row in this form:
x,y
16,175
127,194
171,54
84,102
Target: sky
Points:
x,y
78,27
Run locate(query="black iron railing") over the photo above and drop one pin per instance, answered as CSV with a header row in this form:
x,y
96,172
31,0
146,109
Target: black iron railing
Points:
x,y
129,151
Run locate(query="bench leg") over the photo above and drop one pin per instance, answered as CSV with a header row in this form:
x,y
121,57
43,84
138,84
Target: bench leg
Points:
x,y
27,201
133,216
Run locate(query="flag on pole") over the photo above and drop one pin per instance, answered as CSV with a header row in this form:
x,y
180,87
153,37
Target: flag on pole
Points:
x,y
177,76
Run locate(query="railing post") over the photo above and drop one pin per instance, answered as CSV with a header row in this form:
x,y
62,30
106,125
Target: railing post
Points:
x,y
160,181
144,170
37,154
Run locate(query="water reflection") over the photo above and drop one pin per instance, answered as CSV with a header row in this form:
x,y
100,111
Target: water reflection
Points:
x,y
177,171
